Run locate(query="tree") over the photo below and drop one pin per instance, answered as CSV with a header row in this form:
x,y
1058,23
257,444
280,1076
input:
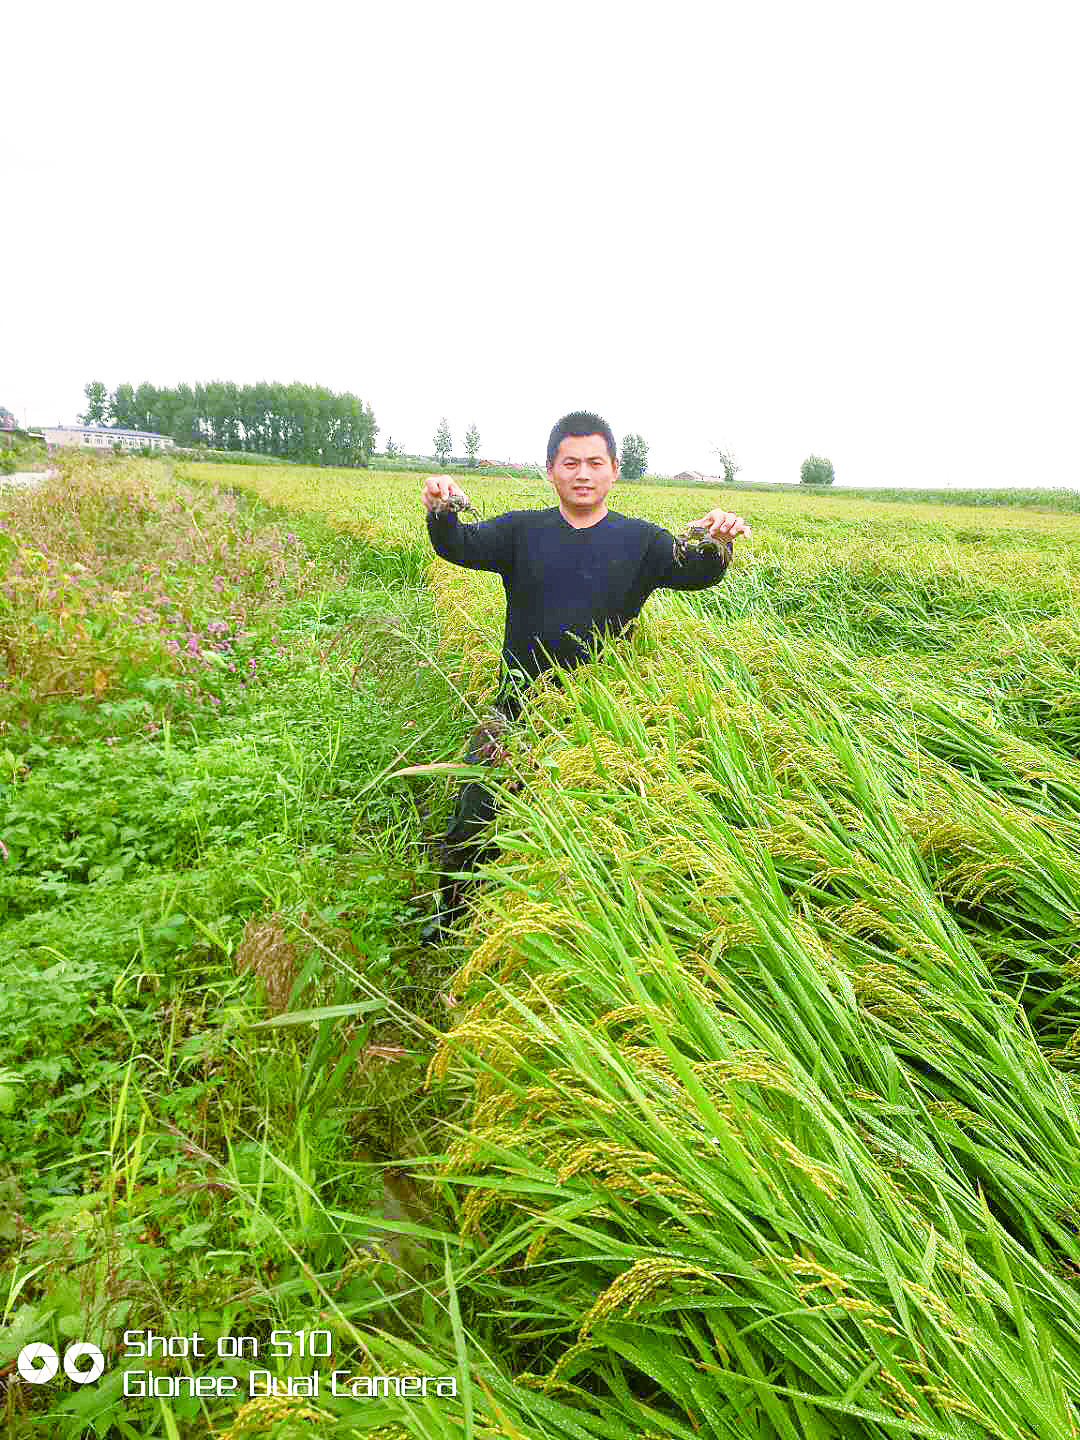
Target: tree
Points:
x,y
146,399
368,433
443,443
391,448
816,470
122,409
728,461
472,443
175,413
97,403
252,405
635,457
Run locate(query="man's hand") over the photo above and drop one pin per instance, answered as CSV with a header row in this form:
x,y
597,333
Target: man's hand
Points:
x,y
438,489
723,525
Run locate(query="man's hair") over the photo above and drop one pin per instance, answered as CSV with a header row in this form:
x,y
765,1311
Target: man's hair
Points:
x,y
577,424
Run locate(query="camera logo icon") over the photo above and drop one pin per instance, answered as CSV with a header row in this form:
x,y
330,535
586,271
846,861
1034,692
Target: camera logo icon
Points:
x,y
38,1364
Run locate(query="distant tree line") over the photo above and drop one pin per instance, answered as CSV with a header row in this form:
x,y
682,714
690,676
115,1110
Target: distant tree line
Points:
x,y
306,423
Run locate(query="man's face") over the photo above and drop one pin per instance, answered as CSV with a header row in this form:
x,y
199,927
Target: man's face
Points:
x,y
583,472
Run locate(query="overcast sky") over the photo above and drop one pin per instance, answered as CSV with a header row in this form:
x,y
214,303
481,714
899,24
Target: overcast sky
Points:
x,y
840,228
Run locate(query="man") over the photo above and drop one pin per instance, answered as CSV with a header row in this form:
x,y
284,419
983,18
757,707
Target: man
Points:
x,y
571,575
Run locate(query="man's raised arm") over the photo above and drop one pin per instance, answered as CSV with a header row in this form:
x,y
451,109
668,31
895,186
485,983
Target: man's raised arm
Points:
x,y
683,566
697,571
477,547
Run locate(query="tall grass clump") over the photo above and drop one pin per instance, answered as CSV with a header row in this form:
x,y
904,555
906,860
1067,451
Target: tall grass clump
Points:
x,y
760,1143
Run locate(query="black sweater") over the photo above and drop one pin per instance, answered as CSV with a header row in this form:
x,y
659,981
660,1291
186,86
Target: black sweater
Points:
x,y
561,582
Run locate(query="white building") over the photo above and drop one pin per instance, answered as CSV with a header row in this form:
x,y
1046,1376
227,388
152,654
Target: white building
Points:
x,y
98,437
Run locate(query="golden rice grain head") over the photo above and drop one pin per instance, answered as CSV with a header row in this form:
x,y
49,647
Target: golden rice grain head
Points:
x,y
634,1286
472,1212
601,1155
569,1356
264,1413
472,1147
821,1177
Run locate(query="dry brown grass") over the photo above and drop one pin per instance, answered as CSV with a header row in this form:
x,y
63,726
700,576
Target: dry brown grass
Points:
x,y
265,950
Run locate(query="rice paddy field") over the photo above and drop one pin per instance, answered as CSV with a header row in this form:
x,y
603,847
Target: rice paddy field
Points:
x,y
757,1112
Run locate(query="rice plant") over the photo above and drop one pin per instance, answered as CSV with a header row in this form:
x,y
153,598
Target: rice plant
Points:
x,y
759,1113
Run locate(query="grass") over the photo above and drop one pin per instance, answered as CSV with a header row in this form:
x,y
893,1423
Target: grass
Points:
x,y
22,454
759,1112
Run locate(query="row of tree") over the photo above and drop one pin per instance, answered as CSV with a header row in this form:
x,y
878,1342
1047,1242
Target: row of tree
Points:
x,y
306,423
311,424
815,469
635,452
444,445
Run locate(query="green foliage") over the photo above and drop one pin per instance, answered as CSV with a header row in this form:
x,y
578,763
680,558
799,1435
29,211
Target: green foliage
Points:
x,y
169,878
307,424
205,456
442,441
635,457
96,404
816,470
472,443
730,464
29,453
122,411
8,462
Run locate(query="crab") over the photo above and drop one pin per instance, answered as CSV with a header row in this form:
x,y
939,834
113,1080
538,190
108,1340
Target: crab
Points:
x,y
490,735
694,537
455,505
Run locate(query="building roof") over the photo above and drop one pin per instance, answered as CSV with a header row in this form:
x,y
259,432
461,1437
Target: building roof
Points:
x,y
106,430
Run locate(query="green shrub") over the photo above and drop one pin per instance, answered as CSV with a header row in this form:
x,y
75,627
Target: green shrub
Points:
x,y
8,463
